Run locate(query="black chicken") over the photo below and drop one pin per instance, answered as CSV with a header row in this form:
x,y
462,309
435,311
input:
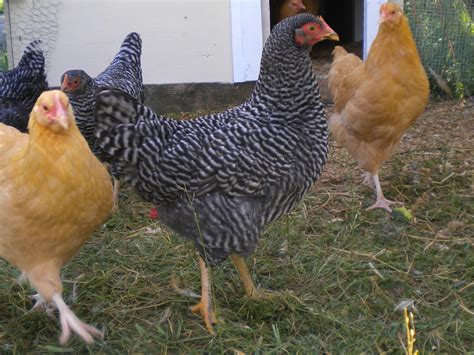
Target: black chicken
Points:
x,y
21,87
220,179
124,73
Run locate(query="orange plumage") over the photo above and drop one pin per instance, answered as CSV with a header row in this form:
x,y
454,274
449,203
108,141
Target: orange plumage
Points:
x,y
53,194
375,101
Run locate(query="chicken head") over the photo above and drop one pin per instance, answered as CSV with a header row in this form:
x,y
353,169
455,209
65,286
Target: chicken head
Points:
x,y
314,32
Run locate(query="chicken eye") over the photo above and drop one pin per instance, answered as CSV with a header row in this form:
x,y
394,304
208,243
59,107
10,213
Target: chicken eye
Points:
x,y
44,107
393,12
312,28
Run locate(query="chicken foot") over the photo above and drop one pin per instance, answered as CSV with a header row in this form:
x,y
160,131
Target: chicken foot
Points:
x,y
115,194
41,304
249,286
381,202
69,321
205,307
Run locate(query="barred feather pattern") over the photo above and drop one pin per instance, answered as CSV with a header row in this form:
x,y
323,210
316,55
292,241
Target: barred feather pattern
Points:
x,y
21,87
83,103
124,73
220,179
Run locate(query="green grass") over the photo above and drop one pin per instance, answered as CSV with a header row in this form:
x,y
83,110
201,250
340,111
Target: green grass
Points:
x,y
3,60
341,270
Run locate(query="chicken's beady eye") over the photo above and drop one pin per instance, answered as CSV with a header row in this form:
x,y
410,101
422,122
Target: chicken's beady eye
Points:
x,y
312,28
44,107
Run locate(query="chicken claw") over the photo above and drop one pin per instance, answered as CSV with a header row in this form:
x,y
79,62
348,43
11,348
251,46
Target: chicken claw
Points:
x,y
41,304
69,321
207,314
382,203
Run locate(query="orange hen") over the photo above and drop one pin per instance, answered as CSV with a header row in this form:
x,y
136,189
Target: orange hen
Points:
x,y
293,7
53,194
375,101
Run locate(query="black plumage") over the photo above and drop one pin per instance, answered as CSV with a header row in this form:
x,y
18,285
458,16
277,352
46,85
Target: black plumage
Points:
x,y
21,86
220,179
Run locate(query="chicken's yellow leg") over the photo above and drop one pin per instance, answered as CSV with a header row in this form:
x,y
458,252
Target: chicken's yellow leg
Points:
x,y
115,195
249,286
250,289
204,307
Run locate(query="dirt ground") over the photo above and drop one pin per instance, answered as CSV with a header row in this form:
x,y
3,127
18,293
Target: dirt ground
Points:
x,y
445,129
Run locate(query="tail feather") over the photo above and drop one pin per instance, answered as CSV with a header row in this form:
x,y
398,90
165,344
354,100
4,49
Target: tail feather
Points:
x,y
343,66
125,72
121,134
33,57
21,86
131,48
338,51
126,129
116,114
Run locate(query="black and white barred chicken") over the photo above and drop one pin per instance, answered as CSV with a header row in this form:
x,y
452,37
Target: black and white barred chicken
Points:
x,y
21,87
220,179
124,73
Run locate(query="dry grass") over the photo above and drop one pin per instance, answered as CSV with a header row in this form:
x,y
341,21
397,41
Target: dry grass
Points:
x,y
341,270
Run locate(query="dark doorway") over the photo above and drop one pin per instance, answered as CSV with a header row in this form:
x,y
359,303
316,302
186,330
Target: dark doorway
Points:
x,y
345,17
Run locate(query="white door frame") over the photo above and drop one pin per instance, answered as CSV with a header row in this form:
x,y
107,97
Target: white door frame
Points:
x,y
247,30
371,21
250,27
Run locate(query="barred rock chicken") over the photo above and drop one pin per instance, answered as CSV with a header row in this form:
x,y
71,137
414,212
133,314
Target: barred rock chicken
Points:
x,y
378,99
21,86
220,179
53,194
124,73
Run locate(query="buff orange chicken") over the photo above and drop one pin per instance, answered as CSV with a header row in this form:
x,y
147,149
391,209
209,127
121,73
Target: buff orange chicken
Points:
x,y
53,194
375,101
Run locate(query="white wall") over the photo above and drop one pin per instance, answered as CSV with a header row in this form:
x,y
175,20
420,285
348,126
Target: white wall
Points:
x,y
371,22
265,9
183,40
247,42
